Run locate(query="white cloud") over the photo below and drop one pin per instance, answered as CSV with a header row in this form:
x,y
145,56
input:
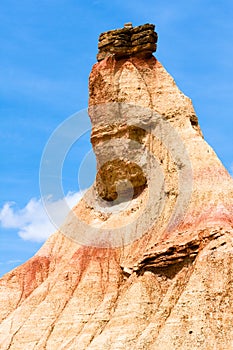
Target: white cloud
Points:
x,y
32,221
10,262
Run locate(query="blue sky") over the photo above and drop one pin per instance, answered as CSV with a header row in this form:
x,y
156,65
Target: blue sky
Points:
x,y
47,51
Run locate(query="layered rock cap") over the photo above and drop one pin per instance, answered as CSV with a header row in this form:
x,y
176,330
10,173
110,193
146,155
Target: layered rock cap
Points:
x,y
128,41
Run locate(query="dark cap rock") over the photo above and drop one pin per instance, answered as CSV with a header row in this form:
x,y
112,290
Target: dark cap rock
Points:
x,y
128,41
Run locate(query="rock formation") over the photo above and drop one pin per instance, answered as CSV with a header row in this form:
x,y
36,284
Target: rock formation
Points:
x,y
169,284
128,41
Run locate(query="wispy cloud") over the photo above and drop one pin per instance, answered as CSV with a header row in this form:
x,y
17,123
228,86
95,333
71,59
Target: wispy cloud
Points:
x,y
11,262
32,221
40,88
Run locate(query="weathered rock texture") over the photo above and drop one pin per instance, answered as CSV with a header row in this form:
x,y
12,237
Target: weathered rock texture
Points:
x,y
169,289
128,41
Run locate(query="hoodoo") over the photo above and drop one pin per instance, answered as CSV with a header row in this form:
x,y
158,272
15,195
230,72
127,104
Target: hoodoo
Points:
x,y
145,259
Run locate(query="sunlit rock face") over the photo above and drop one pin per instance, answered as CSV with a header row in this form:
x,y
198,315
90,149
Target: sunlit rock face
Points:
x,y
161,192
115,119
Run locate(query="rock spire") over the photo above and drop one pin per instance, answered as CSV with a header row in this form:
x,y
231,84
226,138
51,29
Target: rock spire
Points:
x,y
166,282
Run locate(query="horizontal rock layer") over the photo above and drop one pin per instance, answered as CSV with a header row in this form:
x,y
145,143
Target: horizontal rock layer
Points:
x,y
125,42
